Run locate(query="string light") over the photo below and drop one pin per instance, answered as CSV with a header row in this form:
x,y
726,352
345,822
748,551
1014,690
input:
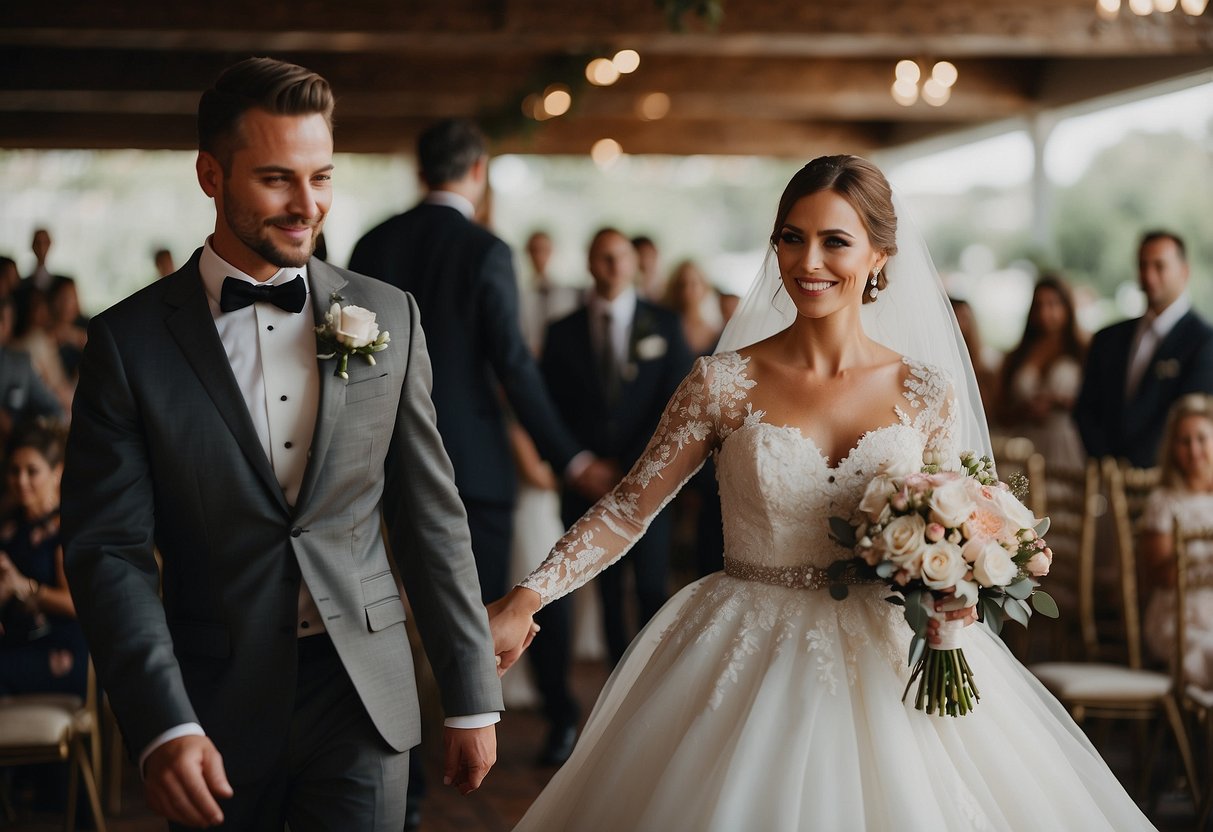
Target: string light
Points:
x,y
653,106
936,90
626,61
1110,9
557,99
606,152
601,72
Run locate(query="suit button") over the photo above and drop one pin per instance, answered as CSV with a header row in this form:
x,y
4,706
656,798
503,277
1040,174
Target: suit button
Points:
x,y
295,532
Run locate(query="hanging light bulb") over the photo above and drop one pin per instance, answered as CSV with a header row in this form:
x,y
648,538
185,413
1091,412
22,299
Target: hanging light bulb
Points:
x,y
944,73
653,106
1108,9
907,71
606,152
557,99
1193,7
904,92
935,93
1165,6
601,72
1141,7
626,61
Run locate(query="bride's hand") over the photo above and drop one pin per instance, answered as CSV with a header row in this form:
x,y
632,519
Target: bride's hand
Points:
x,y
966,614
511,621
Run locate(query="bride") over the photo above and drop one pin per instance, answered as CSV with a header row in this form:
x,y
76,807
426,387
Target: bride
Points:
x,y
754,700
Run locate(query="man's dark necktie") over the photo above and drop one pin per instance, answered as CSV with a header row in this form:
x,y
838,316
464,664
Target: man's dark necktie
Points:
x,y
608,365
237,294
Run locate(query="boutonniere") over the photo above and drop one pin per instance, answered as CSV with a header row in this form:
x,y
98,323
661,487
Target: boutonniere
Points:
x,y
651,347
349,330
1167,368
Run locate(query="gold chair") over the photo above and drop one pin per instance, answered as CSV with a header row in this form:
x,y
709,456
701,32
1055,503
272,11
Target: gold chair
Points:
x,y
53,728
1120,690
1017,455
1192,699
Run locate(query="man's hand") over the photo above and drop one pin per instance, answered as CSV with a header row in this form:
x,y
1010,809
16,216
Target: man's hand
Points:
x,y
183,778
511,621
596,479
470,753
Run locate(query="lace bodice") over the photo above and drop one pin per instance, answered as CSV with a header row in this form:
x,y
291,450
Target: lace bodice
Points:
x,y
777,489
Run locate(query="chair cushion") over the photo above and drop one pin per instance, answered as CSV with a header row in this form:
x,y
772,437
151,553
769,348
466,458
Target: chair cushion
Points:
x,y
28,724
1091,682
1201,696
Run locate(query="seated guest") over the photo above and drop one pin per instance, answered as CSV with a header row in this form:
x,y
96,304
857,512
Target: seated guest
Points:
x,y
1184,494
42,649
1041,376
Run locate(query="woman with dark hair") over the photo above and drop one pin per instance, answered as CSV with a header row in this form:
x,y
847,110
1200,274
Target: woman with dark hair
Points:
x,y
1041,376
42,648
753,699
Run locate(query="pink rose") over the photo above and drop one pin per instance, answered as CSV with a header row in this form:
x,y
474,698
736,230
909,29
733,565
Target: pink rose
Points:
x,y
935,532
1038,565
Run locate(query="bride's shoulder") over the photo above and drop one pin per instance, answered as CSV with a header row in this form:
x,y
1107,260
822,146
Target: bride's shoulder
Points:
x,y
926,385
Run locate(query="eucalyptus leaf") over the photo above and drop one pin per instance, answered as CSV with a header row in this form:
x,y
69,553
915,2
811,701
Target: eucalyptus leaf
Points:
x,y
1017,611
916,614
1042,527
839,591
1020,589
918,646
991,614
896,599
842,532
1044,604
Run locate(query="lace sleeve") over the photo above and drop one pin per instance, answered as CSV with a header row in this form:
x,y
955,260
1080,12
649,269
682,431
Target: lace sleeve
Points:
x,y
688,431
932,403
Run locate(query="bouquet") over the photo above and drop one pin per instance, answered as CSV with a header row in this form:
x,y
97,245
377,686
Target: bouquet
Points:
x,y
962,536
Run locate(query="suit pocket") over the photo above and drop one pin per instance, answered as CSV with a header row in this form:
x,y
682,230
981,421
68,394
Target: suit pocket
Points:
x,y
371,388
211,641
383,614
379,587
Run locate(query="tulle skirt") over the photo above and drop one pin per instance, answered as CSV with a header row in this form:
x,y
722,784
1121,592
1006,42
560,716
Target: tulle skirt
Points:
x,y
744,706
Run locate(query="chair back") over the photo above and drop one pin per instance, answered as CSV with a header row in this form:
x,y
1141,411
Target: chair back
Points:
x,y
1017,455
1184,580
1128,489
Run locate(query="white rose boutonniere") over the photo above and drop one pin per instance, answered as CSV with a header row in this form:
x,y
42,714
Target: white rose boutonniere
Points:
x,y
349,330
1167,368
651,347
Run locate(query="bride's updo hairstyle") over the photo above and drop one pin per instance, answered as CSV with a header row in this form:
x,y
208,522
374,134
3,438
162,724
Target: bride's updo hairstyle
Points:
x,y
861,184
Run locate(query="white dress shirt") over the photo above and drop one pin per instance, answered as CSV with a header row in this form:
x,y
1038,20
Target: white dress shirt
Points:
x,y
1151,331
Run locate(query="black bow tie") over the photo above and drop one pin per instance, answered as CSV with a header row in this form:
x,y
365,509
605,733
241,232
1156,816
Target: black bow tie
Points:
x,y
237,294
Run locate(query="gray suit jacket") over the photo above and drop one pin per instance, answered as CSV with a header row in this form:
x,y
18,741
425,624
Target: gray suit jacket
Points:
x,y
162,454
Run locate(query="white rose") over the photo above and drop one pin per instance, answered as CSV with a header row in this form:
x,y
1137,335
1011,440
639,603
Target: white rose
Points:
x,y
897,468
903,540
1017,513
357,326
950,503
650,347
876,496
942,565
993,566
1038,565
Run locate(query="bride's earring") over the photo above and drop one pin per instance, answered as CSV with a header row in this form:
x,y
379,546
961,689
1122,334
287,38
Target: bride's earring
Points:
x,y
874,291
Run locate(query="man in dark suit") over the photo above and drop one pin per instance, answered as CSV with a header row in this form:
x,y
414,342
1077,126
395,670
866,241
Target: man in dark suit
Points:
x,y
1137,369
463,279
274,683
612,366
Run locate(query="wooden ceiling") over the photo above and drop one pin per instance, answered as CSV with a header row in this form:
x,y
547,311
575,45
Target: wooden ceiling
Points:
x,y
776,77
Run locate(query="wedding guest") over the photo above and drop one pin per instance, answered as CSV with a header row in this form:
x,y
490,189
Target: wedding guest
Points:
x,y
686,292
1184,494
68,326
635,355
22,394
10,278
984,365
648,277
728,305
164,262
462,277
41,277
1040,377
543,300
1136,369
32,333
43,648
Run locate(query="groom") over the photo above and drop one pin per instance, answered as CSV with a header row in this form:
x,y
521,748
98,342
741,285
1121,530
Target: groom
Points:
x,y
273,683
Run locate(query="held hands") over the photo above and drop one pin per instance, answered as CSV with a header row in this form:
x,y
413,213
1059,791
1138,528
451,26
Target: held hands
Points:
x,y
470,753
183,778
511,621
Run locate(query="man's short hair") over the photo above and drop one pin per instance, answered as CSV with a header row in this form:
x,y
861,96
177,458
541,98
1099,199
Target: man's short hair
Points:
x,y
447,150
1163,234
277,87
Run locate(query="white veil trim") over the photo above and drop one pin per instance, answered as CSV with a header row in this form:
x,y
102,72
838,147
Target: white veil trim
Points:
x,y
912,316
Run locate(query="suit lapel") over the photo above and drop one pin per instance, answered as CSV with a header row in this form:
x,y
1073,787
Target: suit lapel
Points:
x,y
324,283
193,327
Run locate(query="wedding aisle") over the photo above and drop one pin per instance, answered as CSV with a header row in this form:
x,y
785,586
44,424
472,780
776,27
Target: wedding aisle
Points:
x,y
515,782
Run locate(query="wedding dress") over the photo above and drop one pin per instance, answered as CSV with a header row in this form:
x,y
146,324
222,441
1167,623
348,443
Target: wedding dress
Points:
x,y
755,701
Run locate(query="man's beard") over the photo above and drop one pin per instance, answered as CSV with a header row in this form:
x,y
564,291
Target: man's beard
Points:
x,y
254,233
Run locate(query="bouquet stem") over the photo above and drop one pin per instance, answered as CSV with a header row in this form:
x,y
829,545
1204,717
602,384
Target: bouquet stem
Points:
x,y
945,680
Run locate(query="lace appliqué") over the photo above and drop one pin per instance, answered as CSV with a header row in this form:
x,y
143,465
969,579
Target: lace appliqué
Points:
x,y
933,405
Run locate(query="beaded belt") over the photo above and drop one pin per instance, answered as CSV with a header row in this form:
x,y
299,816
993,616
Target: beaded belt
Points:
x,y
793,577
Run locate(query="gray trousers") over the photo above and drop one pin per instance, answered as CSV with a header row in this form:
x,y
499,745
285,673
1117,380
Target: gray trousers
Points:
x,y
336,772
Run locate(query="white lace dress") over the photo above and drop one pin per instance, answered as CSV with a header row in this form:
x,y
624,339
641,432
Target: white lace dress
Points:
x,y
754,701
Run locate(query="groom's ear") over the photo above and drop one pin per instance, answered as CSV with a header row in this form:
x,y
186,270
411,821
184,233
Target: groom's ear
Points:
x,y
210,173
